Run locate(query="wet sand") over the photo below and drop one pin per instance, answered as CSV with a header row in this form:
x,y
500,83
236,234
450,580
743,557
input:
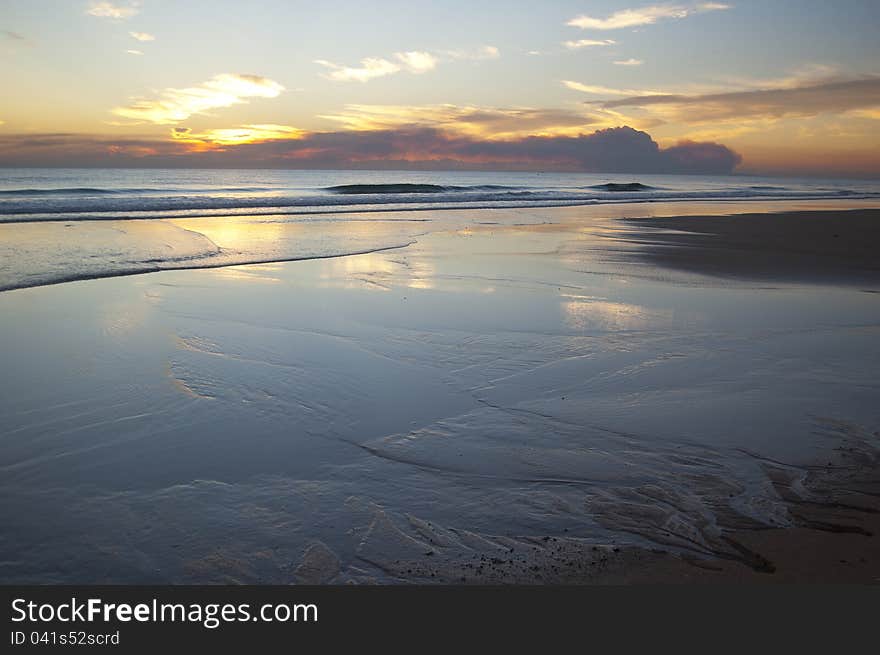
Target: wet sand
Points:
x,y
835,540
839,247
793,555
520,398
838,533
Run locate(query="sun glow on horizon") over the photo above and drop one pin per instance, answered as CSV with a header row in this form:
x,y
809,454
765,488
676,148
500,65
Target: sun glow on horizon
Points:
x,y
235,135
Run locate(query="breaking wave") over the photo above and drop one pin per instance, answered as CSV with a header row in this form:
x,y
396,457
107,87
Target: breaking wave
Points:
x,y
36,195
370,189
615,187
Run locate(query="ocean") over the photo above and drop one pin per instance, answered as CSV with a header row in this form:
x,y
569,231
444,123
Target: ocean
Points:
x,y
59,225
90,194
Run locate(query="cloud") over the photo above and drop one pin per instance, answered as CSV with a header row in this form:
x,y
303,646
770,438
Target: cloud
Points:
x,y
616,150
608,91
610,150
643,16
114,11
134,52
417,62
236,135
483,52
700,158
807,75
422,148
11,41
587,43
176,105
629,62
414,61
477,122
142,36
801,101
370,68
872,113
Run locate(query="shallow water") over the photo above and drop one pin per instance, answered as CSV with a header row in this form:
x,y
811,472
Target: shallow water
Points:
x,y
504,378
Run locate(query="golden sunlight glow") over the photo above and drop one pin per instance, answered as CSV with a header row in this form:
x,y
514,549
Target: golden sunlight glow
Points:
x,y
240,234
236,135
224,90
873,113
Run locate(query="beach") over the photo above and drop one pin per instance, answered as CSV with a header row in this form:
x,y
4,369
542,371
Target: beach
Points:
x,y
801,246
653,392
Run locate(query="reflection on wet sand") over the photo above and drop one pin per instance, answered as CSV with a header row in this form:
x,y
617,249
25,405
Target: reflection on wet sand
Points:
x,y
589,313
253,272
490,392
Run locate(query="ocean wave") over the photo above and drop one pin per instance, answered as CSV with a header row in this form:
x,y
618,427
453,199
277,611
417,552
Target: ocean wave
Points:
x,y
615,187
124,204
95,191
372,197
371,189
71,191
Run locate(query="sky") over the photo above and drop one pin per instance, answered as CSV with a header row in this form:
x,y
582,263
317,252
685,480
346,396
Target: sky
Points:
x,y
789,87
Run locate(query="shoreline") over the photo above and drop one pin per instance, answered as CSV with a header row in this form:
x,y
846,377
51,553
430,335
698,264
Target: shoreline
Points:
x,y
198,267
85,217
674,241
